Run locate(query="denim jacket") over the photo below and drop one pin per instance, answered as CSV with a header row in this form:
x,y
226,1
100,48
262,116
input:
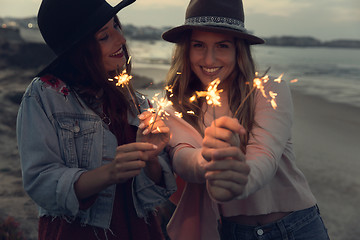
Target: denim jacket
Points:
x,y
59,138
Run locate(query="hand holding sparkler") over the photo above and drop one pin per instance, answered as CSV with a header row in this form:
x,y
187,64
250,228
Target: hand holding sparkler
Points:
x,y
161,104
160,136
226,173
222,135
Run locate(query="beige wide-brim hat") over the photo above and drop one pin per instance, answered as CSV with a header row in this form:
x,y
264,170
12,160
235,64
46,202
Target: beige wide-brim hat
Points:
x,y
223,16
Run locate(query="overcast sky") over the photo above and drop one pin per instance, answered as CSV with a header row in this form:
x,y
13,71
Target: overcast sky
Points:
x,y
322,19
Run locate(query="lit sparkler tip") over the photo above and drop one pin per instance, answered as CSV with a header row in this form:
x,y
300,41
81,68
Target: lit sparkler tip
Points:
x,y
193,98
169,88
161,105
178,114
273,101
190,112
152,120
294,80
212,95
123,79
278,80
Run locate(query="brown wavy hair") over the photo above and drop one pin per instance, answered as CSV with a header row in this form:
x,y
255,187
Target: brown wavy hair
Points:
x,y
184,83
82,69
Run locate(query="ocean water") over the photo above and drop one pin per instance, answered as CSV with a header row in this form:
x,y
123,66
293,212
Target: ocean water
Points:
x,y
331,73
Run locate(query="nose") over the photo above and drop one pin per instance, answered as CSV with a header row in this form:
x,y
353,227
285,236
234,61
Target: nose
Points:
x,y
209,57
120,37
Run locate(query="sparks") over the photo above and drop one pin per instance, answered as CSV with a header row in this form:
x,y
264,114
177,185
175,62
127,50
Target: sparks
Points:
x,y
212,95
123,80
258,83
169,88
161,104
273,101
179,114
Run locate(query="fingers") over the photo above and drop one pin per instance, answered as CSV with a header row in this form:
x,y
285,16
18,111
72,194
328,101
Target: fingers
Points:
x,y
134,151
231,152
226,178
152,123
223,153
224,191
228,164
136,146
231,124
135,165
223,132
216,138
207,153
123,170
233,177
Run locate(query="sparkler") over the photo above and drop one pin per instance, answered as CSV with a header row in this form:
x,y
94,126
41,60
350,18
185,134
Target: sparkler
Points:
x,y
123,80
258,84
212,95
161,104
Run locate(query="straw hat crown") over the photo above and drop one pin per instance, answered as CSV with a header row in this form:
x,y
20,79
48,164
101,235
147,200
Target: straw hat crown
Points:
x,y
224,16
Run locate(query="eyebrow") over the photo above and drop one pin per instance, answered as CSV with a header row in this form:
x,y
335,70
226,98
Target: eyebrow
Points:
x,y
224,41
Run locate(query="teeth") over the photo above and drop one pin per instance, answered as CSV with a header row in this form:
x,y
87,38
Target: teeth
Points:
x,y
210,70
117,53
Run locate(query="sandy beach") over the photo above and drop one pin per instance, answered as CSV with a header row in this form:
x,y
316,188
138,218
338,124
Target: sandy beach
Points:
x,y
325,137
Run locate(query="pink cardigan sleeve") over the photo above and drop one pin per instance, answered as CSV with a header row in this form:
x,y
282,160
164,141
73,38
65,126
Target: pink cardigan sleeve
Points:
x,y
185,149
269,137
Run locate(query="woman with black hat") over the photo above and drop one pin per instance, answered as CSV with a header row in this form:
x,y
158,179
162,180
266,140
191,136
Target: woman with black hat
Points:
x,y
239,170
88,157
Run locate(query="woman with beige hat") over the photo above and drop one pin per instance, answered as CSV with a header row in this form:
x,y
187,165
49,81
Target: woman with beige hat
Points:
x,y
88,159
241,180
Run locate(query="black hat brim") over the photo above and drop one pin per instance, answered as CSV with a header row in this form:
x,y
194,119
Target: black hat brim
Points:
x,y
98,20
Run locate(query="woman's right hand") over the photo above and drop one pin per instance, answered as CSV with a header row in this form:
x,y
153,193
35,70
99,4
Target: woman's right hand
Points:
x,y
129,160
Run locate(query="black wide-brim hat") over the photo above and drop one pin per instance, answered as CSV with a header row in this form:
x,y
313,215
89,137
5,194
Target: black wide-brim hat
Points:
x,y
222,16
64,23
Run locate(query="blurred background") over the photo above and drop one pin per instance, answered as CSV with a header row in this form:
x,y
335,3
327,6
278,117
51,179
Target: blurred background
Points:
x,y
315,42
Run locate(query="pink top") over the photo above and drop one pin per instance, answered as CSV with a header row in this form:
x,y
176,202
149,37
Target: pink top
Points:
x,y
275,184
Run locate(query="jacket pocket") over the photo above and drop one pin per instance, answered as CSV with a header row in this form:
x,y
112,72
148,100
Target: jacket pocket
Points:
x,y
76,133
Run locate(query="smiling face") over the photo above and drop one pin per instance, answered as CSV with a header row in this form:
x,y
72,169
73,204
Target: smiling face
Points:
x,y
212,55
111,41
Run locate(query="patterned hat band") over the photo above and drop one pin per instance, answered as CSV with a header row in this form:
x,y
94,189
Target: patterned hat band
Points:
x,y
216,22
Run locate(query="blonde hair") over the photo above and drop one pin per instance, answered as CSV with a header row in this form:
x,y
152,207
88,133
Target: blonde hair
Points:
x,y
184,84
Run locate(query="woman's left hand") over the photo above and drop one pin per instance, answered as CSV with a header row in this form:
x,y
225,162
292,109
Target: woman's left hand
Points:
x,y
227,174
156,133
